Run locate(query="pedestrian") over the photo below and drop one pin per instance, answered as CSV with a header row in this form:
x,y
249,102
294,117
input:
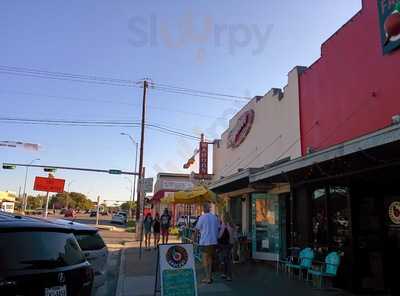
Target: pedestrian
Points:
x,y
226,240
165,222
147,222
156,230
207,226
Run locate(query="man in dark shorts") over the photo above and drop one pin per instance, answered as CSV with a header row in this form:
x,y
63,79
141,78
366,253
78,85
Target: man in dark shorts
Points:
x,y
208,226
165,222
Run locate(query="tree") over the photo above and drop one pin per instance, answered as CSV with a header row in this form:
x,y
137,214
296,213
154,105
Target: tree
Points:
x,y
125,205
73,200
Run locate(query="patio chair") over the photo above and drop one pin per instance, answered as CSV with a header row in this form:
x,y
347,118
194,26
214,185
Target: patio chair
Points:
x,y
306,257
327,269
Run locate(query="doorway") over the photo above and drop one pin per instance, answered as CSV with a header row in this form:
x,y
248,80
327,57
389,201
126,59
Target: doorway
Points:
x,y
265,226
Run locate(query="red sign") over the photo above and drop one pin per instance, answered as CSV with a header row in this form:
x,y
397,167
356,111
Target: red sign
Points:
x,y
203,158
241,129
49,184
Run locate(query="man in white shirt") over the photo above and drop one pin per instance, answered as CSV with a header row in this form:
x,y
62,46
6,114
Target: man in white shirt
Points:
x,y
208,226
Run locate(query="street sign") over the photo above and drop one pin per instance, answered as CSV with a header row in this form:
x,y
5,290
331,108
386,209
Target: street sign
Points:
x,y
49,184
7,166
115,172
146,185
177,270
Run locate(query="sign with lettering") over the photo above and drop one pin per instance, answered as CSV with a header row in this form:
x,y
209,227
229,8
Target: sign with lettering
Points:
x,y
241,129
203,159
49,184
176,185
389,22
177,270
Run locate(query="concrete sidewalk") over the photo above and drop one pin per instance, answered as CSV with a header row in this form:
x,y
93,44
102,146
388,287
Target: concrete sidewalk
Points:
x,y
137,278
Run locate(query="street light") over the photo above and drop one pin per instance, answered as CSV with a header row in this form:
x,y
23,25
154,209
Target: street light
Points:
x,y
134,177
26,177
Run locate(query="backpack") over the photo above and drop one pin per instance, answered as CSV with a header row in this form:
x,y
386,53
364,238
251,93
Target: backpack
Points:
x,y
225,237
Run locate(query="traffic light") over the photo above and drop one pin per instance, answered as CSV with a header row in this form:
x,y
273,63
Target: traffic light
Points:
x,y
7,166
49,170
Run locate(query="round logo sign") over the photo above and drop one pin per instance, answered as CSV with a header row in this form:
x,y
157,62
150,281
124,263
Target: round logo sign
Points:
x,y
177,256
394,212
241,129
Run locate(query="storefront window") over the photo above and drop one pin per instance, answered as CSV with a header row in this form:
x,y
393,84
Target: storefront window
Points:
x,y
320,220
339,217
331,218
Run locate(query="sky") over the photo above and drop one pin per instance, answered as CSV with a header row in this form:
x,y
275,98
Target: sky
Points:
x,y
232,47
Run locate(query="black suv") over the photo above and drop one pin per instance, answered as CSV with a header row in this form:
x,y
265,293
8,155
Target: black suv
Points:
x,y
41,258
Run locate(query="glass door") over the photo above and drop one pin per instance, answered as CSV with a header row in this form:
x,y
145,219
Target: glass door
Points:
x,y
265,226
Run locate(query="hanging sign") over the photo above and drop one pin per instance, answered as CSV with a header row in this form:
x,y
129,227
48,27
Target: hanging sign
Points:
x,y
203,158
389,22
177,270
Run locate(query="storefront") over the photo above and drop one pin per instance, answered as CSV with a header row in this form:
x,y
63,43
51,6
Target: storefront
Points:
x,y
245,148
346,199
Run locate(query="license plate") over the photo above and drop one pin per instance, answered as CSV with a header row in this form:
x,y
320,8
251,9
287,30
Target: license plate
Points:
x,y
56,291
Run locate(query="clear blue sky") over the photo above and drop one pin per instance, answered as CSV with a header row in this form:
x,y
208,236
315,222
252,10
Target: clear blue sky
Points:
x,y
132,40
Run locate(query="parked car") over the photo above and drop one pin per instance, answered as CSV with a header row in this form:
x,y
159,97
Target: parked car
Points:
x,y
93,247
120,218
41,258
93,213
70,213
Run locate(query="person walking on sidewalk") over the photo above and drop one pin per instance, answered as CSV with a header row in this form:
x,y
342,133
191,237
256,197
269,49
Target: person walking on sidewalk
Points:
x,y
226,239
148,221
156,230
207,226
165,225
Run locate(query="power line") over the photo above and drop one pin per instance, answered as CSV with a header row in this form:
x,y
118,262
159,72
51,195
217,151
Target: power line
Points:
x,y
93,79
82,123
125,103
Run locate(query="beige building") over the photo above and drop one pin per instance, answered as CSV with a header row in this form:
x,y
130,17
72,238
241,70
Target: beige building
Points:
x,y
263,133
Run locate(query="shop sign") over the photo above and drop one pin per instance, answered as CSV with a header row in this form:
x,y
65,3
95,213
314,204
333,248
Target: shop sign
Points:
x,y
176,185
241,129
203,159
177,270
394,212
49,184
389,22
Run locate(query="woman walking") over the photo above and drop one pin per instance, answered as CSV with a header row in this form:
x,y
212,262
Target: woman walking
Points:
x,y
156,230
226,240
148,221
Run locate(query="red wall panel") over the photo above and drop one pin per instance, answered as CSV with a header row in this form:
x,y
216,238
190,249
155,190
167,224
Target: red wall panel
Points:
x,y
353,89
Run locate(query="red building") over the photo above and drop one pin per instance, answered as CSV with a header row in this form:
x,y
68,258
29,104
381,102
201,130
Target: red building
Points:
x,y
353,89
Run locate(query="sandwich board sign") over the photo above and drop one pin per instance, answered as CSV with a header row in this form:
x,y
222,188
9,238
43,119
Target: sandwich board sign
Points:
x,y
177,270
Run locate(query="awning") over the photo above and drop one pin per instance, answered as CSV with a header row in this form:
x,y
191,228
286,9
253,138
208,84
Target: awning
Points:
x,y
160,195
347,149
237,181
197,195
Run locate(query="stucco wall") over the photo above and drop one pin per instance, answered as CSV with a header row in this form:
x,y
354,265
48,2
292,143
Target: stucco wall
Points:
x,y
275,133
353,89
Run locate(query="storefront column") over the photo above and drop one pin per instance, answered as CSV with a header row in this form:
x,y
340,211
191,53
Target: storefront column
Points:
x,y
245,213
303,214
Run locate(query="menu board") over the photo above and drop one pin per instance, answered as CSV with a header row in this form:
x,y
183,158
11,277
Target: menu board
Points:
x,y
177,270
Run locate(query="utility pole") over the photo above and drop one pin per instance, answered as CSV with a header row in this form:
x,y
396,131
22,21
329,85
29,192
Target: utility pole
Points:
x,y
140,198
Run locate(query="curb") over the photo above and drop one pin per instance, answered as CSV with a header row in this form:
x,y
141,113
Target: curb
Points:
x,y
121,274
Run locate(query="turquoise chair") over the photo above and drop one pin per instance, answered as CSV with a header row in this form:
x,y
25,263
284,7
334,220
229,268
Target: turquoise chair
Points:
x,y
306,257
328,269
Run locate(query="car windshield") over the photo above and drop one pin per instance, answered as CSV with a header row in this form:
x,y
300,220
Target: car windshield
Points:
x,y
38,250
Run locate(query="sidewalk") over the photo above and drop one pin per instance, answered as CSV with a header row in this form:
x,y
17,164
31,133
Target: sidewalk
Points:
x,y
137,279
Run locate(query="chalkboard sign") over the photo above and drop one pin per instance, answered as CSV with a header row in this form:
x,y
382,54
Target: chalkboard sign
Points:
x,y
177,270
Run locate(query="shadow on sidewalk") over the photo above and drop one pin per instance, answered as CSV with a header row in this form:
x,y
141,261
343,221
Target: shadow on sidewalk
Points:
x,y
251,278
